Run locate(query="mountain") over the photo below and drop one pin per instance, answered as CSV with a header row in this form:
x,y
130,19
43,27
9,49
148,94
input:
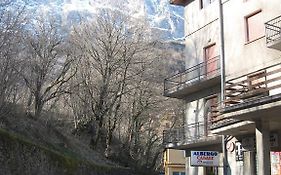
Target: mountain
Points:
x,y
162,16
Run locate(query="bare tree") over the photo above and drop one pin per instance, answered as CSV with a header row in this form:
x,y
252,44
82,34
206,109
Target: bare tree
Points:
x,y
112,54
145,114
12,19
120,92
46,66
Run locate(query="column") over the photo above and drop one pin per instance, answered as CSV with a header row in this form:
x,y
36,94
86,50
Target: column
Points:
x,y
249,163
263,147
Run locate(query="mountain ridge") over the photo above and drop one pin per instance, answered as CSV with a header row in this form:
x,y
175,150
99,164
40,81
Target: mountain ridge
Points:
x,y
162,16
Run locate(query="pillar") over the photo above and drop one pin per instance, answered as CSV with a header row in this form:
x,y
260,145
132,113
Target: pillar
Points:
x,y
249,163
263,148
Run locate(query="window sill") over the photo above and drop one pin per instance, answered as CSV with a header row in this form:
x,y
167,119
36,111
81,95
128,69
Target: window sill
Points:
x,y
249,42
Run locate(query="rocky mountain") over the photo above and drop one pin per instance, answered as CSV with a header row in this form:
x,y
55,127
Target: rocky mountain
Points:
x,y
161,15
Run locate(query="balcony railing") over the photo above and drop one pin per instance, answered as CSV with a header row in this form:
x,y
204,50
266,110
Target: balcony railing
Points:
x,y
220,121
256,88
195,74
216,118
185,134
273,30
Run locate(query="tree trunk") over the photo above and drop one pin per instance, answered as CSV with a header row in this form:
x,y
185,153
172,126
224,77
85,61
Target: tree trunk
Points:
x,y
96,135
38,108
108,143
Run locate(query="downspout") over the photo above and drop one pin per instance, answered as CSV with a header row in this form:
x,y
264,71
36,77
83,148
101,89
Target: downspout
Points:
x,y
222,71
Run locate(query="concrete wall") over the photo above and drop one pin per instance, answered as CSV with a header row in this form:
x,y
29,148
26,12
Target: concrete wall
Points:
x,y
175,156
201,30
242,57
194,111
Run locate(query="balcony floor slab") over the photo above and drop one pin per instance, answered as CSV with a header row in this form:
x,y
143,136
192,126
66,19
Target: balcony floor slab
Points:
x,y
269,111
185,91
205,143
235,129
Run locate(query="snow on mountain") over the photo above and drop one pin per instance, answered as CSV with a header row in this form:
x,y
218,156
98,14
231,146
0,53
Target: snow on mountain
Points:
x,y
162,16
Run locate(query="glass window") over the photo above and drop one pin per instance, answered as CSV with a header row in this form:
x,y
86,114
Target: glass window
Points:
x,y
178,173
254,26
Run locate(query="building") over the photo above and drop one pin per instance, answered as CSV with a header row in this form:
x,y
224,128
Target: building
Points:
x,y
231,86
174,162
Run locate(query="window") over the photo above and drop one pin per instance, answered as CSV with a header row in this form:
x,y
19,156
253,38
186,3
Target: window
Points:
x,y
205,3
178,173
254,26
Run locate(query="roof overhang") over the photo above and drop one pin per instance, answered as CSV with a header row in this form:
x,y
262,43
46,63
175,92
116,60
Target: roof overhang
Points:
x,y
180,2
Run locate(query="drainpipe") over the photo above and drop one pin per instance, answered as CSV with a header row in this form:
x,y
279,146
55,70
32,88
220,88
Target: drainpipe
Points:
x,y
222,71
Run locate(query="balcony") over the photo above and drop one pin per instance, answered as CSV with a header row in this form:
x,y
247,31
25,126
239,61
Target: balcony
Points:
x,y
273,33
194,135
198,81
254,96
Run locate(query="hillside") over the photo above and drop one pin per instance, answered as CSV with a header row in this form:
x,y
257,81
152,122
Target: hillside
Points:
x,y
29,146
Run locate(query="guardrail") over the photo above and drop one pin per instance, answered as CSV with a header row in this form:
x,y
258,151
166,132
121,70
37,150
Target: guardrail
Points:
x,y
273,30
185,134
197,73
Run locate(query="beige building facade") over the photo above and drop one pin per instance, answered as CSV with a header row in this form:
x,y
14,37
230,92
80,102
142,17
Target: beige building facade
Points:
x,y
174,162
231,86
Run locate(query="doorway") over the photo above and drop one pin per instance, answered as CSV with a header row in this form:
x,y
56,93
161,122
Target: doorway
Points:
x,y
211,63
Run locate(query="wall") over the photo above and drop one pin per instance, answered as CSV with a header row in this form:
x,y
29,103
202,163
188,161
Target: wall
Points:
x,y
242,57
176,156
201,30
174,161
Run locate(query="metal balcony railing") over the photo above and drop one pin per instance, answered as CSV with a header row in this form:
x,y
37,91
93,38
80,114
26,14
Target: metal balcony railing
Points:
x,y
195,74
185,134
273,30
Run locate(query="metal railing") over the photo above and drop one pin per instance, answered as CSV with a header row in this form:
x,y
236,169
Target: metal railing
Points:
x,y
273,30
185,134
199,72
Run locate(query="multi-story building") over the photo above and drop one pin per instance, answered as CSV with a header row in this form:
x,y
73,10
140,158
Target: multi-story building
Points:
x,y
174,162
232,86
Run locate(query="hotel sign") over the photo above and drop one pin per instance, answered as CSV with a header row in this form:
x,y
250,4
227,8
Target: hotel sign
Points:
x,y
204,158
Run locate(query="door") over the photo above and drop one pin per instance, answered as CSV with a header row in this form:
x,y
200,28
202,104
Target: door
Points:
x,y
211,61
